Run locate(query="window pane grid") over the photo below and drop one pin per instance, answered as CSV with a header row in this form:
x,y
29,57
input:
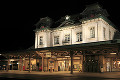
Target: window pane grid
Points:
x,y
56,40
41,40
79,36
92,32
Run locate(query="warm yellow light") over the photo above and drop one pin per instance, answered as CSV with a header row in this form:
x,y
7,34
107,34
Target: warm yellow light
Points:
x,y
119,63
67,56
112,53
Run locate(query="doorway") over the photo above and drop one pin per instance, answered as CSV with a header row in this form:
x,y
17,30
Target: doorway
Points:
x,y
91,63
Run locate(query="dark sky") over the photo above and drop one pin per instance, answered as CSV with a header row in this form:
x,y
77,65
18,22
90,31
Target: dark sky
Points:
x,y
18,18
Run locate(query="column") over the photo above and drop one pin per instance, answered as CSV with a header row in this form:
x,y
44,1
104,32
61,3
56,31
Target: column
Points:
x,y
111,64
7,68
71,55
20,64
42,63
116,63
29,63
48,65
36,63
82,59
56,65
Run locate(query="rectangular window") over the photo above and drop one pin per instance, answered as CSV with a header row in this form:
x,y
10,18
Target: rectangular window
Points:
x,y
41,40
56,40
104,31
110,35
66,38
79,36
92,32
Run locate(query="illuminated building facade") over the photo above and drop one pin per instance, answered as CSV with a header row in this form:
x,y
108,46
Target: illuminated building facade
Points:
x,y
92,25
85,42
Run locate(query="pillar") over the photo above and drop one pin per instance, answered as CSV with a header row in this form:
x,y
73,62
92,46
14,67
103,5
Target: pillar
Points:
x,y
111,63
36,63
116,63
82,60
7,68
20,64
48,65
42,63
56,65
71,55
29,63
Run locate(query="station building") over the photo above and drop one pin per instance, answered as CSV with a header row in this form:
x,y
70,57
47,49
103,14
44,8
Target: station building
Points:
x,y
85,42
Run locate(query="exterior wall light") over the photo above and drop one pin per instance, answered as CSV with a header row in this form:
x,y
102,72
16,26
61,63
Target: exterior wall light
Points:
x,y
112,53
67,56
119,63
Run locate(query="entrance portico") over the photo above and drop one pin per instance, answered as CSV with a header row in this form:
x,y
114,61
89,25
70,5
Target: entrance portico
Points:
x,y
91,57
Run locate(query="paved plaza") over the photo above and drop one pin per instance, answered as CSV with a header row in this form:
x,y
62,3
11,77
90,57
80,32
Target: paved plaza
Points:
x,y
25,75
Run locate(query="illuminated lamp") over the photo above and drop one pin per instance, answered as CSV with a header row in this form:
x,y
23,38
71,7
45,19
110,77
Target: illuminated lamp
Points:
x,y
67,56
67,17
112,53
119,63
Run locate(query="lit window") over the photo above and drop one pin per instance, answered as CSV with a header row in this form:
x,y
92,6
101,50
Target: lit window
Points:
x,y
116,63
67,38
41,40
56,40
79,36
92,32
104,31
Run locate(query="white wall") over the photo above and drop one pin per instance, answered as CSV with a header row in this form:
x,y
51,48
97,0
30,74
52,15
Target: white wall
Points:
x,y
99,24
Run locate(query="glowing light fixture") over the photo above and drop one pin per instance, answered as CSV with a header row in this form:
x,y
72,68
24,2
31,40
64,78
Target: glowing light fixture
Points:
x,y
119,63
0,54
67,56
112,53
67,17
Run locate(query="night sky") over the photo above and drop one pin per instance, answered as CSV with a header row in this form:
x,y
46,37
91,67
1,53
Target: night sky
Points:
x,y
18,18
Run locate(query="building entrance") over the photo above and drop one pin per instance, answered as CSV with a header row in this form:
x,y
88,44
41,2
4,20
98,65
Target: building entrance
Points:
x,y
91,63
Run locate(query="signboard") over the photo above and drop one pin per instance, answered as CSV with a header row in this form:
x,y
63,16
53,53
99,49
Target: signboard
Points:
x,y
48,54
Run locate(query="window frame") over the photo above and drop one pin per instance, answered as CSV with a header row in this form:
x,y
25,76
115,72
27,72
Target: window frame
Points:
x,y
79,37
41,40
92,32
56,40
104,31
